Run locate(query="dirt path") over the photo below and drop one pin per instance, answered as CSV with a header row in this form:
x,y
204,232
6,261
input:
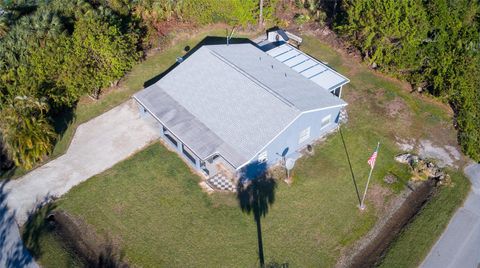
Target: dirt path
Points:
x,y
97,145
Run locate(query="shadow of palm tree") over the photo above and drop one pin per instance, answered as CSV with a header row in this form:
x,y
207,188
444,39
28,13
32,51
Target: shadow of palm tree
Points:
x,y
256,193
81,240
110,257
36,226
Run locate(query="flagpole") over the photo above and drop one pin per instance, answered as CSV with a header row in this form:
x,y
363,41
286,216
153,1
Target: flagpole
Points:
x,y
362,204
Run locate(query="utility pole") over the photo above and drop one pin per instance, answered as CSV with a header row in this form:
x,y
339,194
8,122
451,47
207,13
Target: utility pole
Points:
x,y
260,19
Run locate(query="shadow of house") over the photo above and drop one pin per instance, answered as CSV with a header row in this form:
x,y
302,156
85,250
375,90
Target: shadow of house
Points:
x,y
12,251
209,40
255,194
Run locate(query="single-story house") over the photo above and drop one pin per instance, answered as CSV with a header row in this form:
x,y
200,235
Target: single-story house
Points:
x,y
226,106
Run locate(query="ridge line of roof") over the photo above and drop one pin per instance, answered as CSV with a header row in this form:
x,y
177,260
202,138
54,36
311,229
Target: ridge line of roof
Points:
x,y
253,79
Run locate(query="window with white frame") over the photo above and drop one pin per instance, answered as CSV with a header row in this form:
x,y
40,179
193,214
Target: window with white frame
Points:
x,y
304,135
326,120
263,157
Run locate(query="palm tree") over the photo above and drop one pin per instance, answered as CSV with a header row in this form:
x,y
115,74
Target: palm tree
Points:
x,y
26,133
41,26
3,26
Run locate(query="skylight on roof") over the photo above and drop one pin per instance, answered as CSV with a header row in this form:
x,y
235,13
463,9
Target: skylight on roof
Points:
x,y
307,66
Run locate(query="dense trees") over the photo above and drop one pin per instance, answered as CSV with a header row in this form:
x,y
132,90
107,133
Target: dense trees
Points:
x,y
26,132
99,54
241,12
159,15
434,44
389,35
52,52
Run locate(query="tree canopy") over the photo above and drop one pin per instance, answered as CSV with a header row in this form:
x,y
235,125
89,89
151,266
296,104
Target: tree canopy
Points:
x,y
434,44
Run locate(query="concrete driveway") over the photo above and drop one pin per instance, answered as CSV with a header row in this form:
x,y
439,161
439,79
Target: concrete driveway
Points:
x,y
97,145
459,245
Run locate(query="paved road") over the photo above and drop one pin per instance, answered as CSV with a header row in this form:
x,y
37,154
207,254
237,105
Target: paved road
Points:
x,y
97,145
459,245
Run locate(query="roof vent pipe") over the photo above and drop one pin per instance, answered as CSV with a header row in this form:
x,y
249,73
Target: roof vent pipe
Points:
x,y
229,36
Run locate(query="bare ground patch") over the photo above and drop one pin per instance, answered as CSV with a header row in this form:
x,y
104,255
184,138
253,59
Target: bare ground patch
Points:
x,y
397,108
442,154
378,196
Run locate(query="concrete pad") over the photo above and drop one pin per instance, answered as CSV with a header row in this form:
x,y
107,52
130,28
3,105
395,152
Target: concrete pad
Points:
x,y
444,156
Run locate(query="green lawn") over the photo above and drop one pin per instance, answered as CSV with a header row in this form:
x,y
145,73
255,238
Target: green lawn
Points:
x,y
413,245
369,96
152,206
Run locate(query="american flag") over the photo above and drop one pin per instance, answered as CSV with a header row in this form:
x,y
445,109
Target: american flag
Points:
x,y
371,160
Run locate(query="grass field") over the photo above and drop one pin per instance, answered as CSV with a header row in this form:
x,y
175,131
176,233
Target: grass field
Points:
x,y
152,207
413,245
162,218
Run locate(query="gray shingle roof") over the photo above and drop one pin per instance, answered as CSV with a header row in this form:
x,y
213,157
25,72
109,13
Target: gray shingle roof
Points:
x,y
192,132
277,77
229,100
